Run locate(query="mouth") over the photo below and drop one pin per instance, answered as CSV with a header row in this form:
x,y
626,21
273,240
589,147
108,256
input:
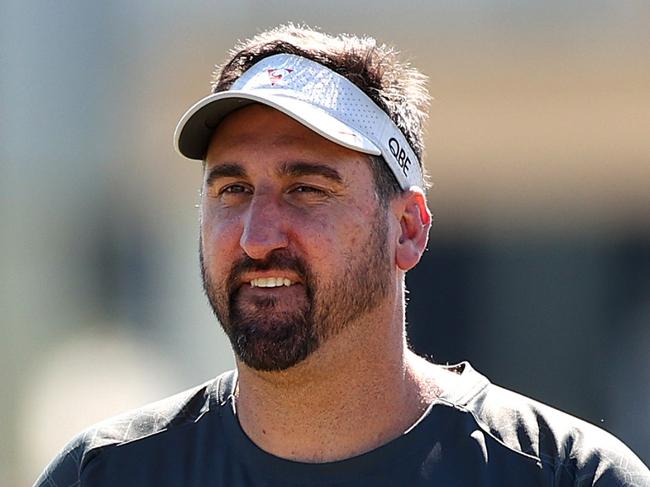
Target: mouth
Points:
x,y
271,293
278,284
272,281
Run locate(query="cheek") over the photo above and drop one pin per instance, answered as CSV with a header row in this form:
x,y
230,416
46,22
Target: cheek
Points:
x,y
219,232
328,240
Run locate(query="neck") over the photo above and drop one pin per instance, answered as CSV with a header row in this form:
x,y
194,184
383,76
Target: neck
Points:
x,y
342,401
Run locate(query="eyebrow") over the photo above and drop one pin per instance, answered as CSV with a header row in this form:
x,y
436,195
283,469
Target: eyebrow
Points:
x,y
224,171
296,169
290,169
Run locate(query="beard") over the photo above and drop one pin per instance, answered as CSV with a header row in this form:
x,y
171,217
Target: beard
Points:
x,y
269,337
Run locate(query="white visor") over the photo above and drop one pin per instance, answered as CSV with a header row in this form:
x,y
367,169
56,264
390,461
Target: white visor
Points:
x,y
317,97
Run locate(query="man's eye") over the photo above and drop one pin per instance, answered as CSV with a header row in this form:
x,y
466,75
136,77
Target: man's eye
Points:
x,y
307,189
233,189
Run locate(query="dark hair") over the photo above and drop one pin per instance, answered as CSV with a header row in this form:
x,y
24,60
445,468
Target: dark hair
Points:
x,y
397,88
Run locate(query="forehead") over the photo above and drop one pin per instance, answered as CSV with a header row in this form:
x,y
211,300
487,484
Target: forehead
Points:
x,y
258,134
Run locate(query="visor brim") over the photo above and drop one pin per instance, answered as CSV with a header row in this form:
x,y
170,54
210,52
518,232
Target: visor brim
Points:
x,y
194,130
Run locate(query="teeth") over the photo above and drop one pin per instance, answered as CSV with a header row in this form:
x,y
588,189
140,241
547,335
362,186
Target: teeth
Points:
x,y
270,282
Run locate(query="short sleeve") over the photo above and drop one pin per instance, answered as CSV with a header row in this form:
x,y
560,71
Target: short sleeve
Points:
x,y
65,469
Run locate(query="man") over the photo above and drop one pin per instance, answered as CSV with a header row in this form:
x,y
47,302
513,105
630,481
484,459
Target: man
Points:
x,y
312,211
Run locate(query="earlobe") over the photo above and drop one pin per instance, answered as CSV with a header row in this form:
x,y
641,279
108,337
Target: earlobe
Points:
x,y
415,221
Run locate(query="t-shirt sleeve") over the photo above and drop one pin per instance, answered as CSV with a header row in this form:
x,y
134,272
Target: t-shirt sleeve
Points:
x,y
616,466
65,469
70,467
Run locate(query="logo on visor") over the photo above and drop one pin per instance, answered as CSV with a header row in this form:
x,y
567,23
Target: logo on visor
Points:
x,y
277,75
400,155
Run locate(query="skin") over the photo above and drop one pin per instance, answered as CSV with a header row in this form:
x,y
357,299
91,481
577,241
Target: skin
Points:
x,y
318,409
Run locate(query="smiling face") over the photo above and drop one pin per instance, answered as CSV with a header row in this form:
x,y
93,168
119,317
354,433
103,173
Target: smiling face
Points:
x,y
294,244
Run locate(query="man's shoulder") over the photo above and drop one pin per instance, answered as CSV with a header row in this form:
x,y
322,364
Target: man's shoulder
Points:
x,y
574,449
147,422
151,419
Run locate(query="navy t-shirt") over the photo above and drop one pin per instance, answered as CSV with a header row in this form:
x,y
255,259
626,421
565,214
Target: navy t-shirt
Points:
x,y
475,434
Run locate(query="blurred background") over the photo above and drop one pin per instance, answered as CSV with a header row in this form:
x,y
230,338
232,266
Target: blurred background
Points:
x,y
538,270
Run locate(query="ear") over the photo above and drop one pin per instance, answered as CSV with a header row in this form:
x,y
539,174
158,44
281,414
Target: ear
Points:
x,y
415,221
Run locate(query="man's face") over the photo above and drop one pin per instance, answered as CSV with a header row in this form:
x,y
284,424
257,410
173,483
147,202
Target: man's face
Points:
x,y
294,245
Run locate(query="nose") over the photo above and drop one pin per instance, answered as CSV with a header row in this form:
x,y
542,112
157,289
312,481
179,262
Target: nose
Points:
x,y
264,228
